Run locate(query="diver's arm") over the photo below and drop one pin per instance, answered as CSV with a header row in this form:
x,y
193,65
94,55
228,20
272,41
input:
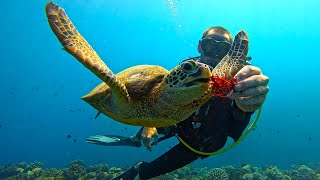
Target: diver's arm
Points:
x,y
249,94
239,120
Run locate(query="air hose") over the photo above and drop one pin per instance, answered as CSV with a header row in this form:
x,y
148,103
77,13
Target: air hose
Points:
x,y
227,148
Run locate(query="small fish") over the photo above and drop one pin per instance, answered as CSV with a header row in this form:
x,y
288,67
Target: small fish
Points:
x,y
125,128
97,115
74,140
71,110
310,138
69,136
298,115
248,58
254,128
278,131
35,88
56,93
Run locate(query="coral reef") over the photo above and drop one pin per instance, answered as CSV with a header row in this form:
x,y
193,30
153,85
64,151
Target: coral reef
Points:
x,y
79,170
303,172
216,174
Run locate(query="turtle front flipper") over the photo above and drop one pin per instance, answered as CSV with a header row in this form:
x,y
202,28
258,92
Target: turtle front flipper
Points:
x,y
78,47
236,57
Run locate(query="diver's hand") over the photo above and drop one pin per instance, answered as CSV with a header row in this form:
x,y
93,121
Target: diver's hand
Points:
x,y
147,134
251,90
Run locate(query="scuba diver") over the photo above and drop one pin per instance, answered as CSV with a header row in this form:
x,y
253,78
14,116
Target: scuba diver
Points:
x,y
209,127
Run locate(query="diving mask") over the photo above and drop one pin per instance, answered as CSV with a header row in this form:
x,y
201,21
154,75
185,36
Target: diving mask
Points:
x,y
213,47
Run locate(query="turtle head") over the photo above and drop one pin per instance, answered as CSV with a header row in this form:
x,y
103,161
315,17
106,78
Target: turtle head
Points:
x,y
188,81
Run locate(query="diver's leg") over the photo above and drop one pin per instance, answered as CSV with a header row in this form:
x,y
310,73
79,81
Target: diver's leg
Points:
x,y
137,136
175,158
112,140
115,140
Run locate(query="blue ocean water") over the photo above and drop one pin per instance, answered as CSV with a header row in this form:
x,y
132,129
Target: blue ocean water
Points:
x,y
41,85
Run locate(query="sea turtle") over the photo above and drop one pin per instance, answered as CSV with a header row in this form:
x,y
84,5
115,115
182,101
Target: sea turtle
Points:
x,y
145,95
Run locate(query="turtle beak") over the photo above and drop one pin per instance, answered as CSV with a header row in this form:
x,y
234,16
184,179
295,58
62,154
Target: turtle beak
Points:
x,y
197,82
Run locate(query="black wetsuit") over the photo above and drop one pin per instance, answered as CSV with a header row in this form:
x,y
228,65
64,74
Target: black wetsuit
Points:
x,y
205,131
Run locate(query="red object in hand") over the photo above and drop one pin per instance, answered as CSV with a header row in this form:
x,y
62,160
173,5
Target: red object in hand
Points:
x,y
221,86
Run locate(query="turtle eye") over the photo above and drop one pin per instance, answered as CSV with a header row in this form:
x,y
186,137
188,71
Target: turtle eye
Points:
x,y
187,67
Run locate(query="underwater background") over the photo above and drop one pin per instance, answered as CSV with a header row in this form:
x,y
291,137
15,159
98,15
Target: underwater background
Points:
x,y
41,84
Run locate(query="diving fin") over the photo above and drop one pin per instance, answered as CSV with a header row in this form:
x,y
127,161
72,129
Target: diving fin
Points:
x,y
112,140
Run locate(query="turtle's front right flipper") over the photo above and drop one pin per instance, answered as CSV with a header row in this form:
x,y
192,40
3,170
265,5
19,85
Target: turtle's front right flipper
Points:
x,y
236,57
78,47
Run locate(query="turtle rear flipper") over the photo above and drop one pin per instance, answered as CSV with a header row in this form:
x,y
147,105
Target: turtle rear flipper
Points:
x,y
78,47
236,57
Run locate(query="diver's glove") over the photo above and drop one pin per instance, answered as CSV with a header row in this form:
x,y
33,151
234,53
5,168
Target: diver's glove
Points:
x,y
147,134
